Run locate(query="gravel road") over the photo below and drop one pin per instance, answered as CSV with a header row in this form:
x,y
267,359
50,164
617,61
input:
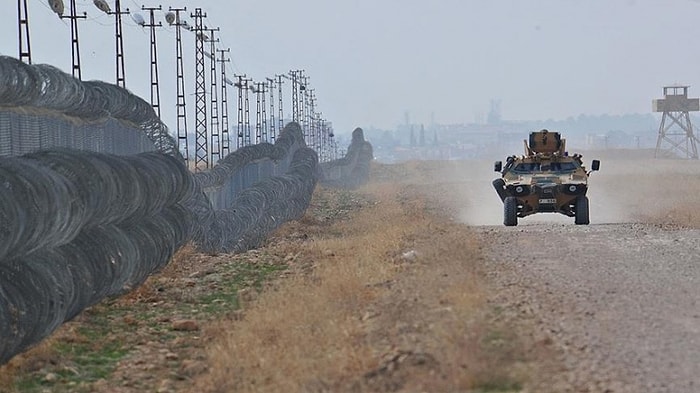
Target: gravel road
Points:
x,y
621,301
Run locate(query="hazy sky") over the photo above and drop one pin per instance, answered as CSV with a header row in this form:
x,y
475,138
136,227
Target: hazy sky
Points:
x,y
370,61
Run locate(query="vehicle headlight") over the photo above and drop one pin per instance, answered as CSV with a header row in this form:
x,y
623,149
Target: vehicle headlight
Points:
x,y
519,189
574,189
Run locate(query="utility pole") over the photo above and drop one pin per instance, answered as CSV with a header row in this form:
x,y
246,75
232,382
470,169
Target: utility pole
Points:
x,y
173,18
263,94
246,114
225,139
25,50
257,89
312,118
329,140
273,133
324,138
240,85
304,104
155,88
118,33
201,156
75,42
280,82
334,143
215,143
297,77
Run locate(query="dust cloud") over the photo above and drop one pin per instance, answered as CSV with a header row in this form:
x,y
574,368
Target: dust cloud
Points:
x,y
631,186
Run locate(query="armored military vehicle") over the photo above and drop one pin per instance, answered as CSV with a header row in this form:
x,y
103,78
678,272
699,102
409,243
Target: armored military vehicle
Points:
x,y
545,180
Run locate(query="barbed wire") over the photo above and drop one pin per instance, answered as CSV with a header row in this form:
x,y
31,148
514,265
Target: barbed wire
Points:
x,y
77,226
47,87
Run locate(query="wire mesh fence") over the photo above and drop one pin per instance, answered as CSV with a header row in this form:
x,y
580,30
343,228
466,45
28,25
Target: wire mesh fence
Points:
x,y
351,170
94,196
42,107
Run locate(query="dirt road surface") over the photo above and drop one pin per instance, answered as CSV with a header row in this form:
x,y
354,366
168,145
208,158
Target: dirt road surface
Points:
x,y
619,298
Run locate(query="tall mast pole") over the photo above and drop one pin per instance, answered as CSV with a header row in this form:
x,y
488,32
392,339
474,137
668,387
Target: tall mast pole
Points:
x,y
263,114
119,39
155,87
25,50
201,156
246,115
225,138
240,85
215,138
75,41
173,18
273,133
280,101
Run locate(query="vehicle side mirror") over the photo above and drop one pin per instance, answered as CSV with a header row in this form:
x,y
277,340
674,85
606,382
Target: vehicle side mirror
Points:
x,y
595,165
497,166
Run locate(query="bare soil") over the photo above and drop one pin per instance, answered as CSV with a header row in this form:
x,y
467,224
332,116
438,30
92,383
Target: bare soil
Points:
x,y
411,284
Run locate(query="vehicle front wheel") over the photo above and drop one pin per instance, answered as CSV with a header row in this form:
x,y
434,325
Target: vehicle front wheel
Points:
x,y
581,211
500,186
510,211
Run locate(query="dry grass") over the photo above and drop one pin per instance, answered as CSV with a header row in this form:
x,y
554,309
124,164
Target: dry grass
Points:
x,y
308,326
669,199
366,318
653,191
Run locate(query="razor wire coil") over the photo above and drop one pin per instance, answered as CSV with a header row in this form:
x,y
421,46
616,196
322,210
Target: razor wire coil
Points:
x,y
77,226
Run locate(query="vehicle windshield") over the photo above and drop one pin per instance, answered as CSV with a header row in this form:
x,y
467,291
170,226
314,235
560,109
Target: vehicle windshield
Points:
x,y
530,167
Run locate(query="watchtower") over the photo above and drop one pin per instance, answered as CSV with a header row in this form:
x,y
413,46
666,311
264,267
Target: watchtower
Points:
x,y
675,107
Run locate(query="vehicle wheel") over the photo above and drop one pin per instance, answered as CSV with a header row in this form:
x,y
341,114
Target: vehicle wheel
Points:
x,y
499,185
581,211
510,212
